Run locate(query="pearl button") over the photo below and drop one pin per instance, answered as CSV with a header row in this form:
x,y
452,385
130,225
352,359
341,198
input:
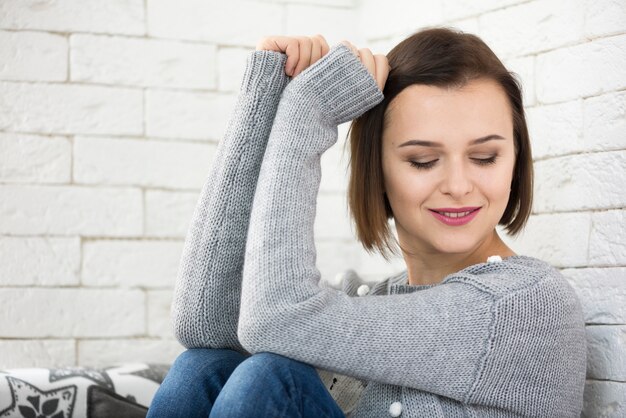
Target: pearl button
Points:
x,y
363,290
494,259
395,409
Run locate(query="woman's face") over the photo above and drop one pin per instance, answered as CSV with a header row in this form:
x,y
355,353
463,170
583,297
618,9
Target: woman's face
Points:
x,y
454,175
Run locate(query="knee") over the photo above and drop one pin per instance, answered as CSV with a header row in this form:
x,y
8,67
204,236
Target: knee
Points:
x,y
196,360
266,365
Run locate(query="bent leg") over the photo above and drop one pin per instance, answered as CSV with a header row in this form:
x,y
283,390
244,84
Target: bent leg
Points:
x,y
193,382
271,385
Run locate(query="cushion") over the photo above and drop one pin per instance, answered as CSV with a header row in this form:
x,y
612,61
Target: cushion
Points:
x,y
123,390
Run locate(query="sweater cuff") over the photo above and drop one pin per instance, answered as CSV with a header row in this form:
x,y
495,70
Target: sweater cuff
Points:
x,y
264,70
342,84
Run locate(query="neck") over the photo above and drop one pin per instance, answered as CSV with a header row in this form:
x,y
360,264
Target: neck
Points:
x,y
432,268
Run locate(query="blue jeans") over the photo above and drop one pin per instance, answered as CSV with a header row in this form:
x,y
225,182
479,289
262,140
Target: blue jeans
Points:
x,y
211,382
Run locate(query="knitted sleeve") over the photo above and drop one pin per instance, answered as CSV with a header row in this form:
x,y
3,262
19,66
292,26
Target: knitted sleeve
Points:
x,y
455,340
205,305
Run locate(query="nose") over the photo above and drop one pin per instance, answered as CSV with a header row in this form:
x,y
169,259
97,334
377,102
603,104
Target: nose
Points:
x,y
457,181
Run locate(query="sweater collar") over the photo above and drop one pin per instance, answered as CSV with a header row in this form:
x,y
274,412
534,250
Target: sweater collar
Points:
x,y
398,284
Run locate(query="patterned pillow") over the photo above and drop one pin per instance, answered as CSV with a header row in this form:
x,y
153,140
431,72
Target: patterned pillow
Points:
x,y
124,390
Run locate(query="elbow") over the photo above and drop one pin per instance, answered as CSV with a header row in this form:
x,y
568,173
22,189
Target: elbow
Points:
x,y
180,331
253,334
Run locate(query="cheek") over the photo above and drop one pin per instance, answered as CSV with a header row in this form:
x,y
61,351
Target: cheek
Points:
x,y
406,189
496,184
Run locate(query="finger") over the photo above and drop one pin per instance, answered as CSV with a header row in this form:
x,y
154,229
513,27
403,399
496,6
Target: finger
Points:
x,y
352,47
368,61
382,70
273,43
324,44
284,44
316,50
293,55
305,55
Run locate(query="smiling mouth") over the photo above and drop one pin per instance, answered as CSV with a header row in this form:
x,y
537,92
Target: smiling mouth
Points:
x,y
454,214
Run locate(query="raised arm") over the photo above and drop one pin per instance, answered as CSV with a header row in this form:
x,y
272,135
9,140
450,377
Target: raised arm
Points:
x,y
482,332
205,306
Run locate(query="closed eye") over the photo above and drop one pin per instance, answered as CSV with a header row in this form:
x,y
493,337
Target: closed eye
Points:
x,y
429,164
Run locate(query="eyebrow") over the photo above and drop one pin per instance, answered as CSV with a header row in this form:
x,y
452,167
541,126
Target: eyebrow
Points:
x,y
439,145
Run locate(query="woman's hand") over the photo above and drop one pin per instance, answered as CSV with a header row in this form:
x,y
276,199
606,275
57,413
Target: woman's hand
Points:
x,y
377,65
302,51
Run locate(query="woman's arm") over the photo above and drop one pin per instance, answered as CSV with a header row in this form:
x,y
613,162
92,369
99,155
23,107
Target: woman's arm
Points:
x,y
498,334
205,306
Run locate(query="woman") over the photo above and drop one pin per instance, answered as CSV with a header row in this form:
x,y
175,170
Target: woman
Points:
x,y
439,145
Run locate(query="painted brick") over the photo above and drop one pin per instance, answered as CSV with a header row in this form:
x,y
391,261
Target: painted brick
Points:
x,y
231,65
524,68
548,125
142,62
455,9
188,115
35,159
332,23
607,241
606,352
33,56
100,353
401,17
581,181
213,21
605,122
604,399
604,17
129,264
583,70
468,25
70,210
554,23
39,261
383,45
152,163
112,16
334,3
36,353
168,214
602,292
70,109
71,313
159,306
561,239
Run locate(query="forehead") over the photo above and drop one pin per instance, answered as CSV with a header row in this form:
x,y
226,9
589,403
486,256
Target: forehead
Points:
x,y
438,113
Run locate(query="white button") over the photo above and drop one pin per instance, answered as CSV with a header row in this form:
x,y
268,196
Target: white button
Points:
x,y
395,409
363,290
494,259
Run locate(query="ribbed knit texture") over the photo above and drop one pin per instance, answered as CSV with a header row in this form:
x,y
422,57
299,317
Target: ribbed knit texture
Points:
x,y
497,339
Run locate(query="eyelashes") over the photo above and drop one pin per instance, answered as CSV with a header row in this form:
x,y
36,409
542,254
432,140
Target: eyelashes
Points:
x,y
479,161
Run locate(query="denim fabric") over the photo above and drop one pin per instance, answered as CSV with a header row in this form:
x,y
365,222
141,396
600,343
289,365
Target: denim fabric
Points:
x,y
222,383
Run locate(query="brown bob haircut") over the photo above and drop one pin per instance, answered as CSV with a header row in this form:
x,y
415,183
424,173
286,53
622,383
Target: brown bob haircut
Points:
x,y
442,57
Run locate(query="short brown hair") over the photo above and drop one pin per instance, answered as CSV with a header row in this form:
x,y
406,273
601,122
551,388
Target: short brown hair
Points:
x,y
442,57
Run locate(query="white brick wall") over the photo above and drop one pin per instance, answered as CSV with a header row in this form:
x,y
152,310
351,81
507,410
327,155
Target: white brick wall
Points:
x,y
110,113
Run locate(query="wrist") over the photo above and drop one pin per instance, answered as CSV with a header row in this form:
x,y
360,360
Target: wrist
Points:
x,y
264,69
340,84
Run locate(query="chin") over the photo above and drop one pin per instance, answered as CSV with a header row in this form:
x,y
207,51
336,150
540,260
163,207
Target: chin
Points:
x,y
455,244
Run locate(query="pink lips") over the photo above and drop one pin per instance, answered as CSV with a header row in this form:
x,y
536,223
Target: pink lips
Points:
x,y
456,221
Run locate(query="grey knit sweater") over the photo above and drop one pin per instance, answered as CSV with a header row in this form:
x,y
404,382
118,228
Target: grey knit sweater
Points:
x,y
496,339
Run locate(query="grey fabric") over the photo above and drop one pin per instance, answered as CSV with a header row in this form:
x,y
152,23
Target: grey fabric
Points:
x,y
494,339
